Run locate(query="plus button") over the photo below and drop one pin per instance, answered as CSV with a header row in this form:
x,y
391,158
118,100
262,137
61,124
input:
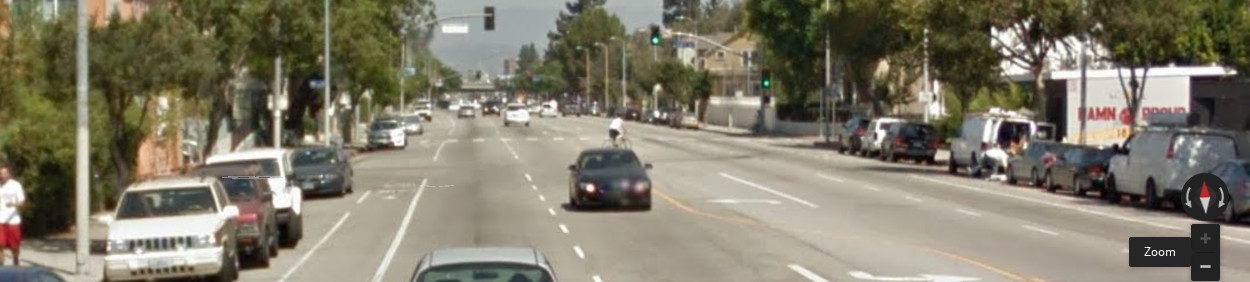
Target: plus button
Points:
x,y
1205,238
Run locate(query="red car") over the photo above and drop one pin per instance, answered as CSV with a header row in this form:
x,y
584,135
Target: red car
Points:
x,y
257,222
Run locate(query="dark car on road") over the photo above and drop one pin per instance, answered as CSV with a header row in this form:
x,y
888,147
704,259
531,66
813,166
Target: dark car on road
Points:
x,y
572,109
850,133
28,274
1081,168
492,108
511,264
612,176
466,111
1033,162
257,222
910,140
322,170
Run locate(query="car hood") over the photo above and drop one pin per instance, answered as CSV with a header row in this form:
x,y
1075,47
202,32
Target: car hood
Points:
x,y
311,170
187,225
601,175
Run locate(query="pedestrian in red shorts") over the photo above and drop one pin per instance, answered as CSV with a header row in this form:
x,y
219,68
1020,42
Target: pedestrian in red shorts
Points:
x,y
12,199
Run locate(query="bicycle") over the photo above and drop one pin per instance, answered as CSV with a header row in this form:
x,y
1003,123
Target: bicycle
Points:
x,y
620,142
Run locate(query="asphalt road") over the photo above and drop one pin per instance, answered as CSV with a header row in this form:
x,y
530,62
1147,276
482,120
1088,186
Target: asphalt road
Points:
x,y
726,208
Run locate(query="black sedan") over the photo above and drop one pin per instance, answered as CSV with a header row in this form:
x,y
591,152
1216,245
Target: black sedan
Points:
x,y
322,170
612,176
1081,169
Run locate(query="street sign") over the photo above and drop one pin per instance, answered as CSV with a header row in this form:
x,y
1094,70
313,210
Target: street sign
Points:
x,y
455,28
410,71
317,84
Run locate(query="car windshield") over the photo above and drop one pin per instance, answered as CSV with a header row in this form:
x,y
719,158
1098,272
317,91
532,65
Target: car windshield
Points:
x,y
916,130
384,125
609,159
502,272
313,157
239,189
268,167
1089,155
166,202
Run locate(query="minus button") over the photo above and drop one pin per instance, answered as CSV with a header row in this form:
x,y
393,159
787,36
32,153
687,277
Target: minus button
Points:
x,y
1204,266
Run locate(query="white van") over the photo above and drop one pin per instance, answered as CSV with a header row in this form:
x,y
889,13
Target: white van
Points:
x,y
1155,163
980,132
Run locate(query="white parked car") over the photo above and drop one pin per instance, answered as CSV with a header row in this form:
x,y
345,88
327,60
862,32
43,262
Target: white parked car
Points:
x,y
288,199
876,133
548,111
1155,163
425,111
516,114
981,132
177,227
387,133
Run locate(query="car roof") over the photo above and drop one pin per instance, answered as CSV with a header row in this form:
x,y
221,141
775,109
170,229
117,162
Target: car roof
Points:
x,y
266,153
519,255
606,150
172,182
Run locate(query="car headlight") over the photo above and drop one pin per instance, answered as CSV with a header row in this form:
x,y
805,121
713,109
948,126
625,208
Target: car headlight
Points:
x,y
204,241
589,187
117,246
642,185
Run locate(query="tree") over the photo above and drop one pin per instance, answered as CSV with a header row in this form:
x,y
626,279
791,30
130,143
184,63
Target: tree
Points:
x,y
1035,28
225,25
1138,38
960,53
1221,32
790,33
527,59
589,27
864,32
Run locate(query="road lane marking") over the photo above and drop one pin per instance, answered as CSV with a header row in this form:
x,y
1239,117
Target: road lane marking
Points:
x,y
578,250
505,139
453,126
968,212
596,278
1040,230
534,187
531,139
557,139
541,198
812,276
453,140
440,149
913,199
1078,209
551,211
870,187
527,178
425,142
545,132
839,180
362,197
583,138
478,140
399,234
564,229
315,247
684,207
770,190
744,201
509,146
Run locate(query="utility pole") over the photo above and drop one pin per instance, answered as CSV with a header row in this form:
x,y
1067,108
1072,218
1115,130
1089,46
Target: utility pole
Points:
x,y
586,56
275,103
624,72
825,104
403,68
1082,112
928,88
329,114
607,51
81,151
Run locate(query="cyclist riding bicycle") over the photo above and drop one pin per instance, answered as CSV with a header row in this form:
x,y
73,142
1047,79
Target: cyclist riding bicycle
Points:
x,y
616,128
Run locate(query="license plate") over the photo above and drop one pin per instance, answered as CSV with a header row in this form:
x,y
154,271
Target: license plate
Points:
x,y
308,185
160,263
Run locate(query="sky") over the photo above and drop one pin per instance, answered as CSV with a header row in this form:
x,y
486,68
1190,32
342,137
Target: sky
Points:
x,y
517,22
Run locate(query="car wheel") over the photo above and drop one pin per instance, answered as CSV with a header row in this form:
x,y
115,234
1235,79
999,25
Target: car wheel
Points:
x,y
273,238
229,269
929,160
294,231
1011,175
1050,183
527,124
1152,195
1078,188
262,253
645,207
950,164
1109,193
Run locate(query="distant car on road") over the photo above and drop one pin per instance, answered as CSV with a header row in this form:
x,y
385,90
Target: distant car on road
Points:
x,y
425,111
517,114
28,274
850,135
548,111
466,111
609,176
870,142
322,170
510,264
492,108
412,124
1154,163
175,227
387,133
572,109
910,140
258,222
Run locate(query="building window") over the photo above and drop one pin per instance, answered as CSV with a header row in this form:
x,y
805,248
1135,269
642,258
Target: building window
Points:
x,y
720,55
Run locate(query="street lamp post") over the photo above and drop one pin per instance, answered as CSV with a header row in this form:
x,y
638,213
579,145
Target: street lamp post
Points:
x,y
329,114
81,149
606,53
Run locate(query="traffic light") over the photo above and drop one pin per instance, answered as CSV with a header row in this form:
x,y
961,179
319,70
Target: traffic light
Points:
x,y
490,18
655,35
766,79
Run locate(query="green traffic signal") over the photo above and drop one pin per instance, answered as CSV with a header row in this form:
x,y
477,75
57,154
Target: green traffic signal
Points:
x,y
766,79
655,35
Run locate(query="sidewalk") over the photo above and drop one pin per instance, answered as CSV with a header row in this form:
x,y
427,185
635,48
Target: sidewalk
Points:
x,y
58,253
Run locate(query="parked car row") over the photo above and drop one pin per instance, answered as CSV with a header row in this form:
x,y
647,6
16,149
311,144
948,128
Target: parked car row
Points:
x,y
240,206
888,138
674,118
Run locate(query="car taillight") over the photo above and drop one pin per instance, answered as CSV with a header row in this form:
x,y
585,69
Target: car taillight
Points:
x,y
898,141
1048,159
245,217
1095,170
860,131
936,144
1171,151
985,146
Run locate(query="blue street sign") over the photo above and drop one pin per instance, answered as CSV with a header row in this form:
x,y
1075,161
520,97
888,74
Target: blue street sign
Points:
x,y
317,84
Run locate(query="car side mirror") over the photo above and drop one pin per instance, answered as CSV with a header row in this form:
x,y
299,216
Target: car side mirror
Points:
x,y
572,167
647,166
230,212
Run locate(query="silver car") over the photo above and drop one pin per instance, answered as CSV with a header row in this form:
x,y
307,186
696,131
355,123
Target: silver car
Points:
x,y
484,264
1236,175
412,124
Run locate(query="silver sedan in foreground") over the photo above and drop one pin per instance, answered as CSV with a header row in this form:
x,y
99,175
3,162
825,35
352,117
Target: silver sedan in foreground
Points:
x,y
510,264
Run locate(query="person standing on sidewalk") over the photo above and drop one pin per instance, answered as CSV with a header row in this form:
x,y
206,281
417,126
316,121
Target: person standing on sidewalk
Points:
x,y
12,199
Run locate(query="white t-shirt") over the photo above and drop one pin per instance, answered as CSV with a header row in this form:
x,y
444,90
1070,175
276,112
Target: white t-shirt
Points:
x,y
616,124
11,192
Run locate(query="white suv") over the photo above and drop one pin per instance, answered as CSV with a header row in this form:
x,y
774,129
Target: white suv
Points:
x,y
173,227
516,113
288,199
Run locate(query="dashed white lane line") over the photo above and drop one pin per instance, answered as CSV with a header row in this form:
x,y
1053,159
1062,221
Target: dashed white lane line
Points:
x,y
545,132
362,197
1040,230
596,278
453,140
541,198
835,179
439,151
315,247
557,139
583,138
914,199
968,212
528,178
479,140
531,139
399,234
564,228
580,253
807,273
551,211
505,139
870,187
770,190
453,126
534,187
1078,209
